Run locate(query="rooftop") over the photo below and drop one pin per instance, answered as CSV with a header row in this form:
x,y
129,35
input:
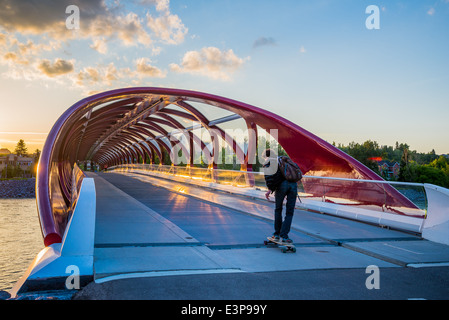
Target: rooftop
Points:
x,y
4,151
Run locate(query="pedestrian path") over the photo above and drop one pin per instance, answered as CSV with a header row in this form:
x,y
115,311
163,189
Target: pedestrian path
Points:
x,y
309,229
149,230
132,238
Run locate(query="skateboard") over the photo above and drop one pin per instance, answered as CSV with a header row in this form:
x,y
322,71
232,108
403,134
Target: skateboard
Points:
x,y
285,247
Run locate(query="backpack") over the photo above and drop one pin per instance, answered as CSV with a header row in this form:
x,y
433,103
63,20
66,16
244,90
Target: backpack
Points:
x,y
289,169
273,180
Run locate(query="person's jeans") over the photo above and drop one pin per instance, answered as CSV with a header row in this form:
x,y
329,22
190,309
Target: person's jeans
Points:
x,y
289,190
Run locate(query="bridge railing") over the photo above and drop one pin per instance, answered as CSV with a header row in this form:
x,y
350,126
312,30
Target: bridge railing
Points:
x,y
426,212
239,179
311,188
367,194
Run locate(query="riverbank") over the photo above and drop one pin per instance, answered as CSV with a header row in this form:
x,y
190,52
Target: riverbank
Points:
x,y
18,189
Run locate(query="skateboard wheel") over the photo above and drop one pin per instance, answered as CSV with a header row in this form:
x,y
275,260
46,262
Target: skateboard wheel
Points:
x,y
284,250
265,242
294,249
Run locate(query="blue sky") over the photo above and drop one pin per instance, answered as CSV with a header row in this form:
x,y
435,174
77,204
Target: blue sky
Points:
x,y
312,62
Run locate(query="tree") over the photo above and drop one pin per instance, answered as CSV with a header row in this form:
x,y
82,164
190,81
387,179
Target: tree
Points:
x,y
406,171
428,174
21,149
366,153
414,166
36,155
441,163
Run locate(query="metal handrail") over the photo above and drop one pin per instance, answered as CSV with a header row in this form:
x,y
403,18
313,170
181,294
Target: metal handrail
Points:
x,y
309,190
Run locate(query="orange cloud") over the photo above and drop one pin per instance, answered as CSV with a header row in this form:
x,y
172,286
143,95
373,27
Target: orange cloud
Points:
x,y
210,62
57,68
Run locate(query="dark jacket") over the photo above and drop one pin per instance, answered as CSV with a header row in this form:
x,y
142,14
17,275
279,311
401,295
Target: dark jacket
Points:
x,y
273,181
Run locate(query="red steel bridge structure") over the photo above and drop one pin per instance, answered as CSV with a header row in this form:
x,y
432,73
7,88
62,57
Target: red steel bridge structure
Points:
x,y
124,125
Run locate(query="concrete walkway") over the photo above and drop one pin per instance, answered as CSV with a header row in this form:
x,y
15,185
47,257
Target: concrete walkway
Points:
x,y
132,238
150,228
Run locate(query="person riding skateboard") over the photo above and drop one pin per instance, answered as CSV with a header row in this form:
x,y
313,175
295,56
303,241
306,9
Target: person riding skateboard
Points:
x,y
277,184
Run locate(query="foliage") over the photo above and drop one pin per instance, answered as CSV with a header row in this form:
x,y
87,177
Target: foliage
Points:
x,y
11,172
415,167
21,149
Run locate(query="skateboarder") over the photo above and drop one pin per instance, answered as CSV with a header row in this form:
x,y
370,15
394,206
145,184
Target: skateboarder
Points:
x,y
282,188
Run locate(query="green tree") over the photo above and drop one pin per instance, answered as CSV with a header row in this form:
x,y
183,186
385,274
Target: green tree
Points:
x,y
165,158
405,172
414,166
21,149
365,153
429,174
441,163
36,155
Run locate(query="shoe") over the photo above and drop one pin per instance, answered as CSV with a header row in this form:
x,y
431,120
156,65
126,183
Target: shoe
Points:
x,y
287,240
275,238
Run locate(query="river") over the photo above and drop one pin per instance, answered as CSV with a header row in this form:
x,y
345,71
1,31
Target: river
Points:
x,y
20,239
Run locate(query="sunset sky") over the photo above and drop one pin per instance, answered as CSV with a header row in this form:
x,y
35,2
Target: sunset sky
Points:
x,y
312,62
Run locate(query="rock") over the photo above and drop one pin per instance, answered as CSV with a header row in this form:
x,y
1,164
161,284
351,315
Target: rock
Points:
x,y
24,188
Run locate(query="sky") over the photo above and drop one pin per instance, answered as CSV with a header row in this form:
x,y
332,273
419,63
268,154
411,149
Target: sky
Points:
x,y
320,64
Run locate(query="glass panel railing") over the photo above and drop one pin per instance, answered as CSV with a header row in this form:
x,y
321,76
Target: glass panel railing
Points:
x,y
391,197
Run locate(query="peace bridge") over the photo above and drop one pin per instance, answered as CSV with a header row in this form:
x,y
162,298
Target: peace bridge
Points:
x,y
192,224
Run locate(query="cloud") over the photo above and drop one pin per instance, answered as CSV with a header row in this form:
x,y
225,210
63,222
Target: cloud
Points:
x,y
26,51
130,30
99,19
302,50
161,5
262,41
143,67
14,58
100,46
32,17
24,59
431,11
168,27
210,62
2,39
88,76
49,16
32,31
57,68
101,76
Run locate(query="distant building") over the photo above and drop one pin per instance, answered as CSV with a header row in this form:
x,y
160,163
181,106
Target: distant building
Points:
x,y
389,169
8,159
4,151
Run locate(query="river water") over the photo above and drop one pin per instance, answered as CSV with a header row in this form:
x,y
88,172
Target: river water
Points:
x,y
20,239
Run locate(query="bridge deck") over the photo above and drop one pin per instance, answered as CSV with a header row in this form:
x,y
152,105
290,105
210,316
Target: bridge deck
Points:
x,y
151,227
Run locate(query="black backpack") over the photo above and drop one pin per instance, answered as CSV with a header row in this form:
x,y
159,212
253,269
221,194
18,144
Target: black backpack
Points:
x,y
289,169
273,180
